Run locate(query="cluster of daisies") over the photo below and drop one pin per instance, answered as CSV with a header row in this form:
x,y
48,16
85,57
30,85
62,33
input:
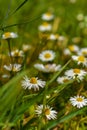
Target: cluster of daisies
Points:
x,y
16,56
47,65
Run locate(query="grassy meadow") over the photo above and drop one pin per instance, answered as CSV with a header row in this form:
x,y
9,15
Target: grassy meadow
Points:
x,y
43,65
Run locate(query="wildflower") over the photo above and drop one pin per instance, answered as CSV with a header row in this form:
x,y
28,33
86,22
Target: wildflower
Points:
x,y
63,79
78,101
47,68
80,59
73,48
47,55
48,112
47,16
8,35
33,82
13,67
76,74
83,51
45,27
53,37
17,53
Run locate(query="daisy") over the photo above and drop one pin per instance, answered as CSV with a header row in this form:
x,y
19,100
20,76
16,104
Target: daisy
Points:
x,y
48,112
76,74
78,101
53,37
80,59
47,16
47,55
45,27
47,68
83,51
33,82
17,53
63,79
73,48
13,67
8,35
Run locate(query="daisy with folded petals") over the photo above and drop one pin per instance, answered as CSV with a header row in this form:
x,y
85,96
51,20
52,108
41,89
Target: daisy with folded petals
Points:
x,y
8,35
48,112
76,74
80,60
32,83
45,27
78,101
17,53
63,79
47,16
47,55
13,67
47,68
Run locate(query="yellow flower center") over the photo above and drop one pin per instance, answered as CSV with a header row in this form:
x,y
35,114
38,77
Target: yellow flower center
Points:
x,y
81,58
47,55
47,66
48,14
47,111
14,69
33,80
7,34
77,71
45,24
65,80
79,99
72,48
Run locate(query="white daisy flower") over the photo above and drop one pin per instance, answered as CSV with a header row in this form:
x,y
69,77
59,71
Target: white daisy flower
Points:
x,y
47,68
80,60
47,16
8,35
32,83
47,55
45,27
76,74
13,67
73,48
53,37
83,51
78,101
48,112
17,53
63,79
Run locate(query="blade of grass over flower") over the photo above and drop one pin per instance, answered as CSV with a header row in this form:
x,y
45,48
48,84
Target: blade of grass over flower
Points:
x,y
58,89
72,114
